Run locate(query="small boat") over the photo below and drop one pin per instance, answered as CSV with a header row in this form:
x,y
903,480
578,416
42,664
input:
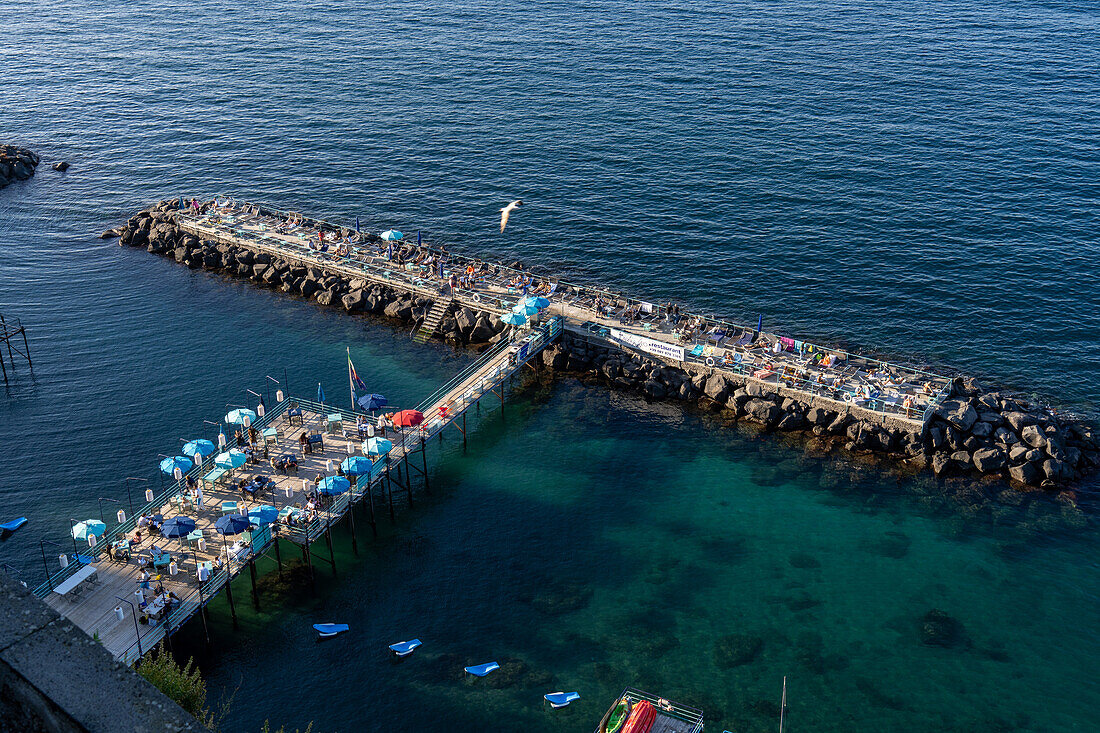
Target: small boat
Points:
x,y
641,718
327,630
615,717
13,524
404,648
561,699
480,670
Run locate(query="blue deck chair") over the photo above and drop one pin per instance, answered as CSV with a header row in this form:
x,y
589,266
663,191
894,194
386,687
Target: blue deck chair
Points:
x,y
561,699
746,338
697,350
481,670
404,648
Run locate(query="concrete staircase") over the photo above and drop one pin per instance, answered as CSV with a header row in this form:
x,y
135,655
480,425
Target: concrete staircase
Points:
x,y
432,320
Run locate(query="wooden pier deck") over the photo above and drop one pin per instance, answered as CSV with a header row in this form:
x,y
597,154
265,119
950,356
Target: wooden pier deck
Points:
x,y
798,368
91,603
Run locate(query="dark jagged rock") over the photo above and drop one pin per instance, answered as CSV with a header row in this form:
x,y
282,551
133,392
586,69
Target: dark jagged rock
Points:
x,y
16,164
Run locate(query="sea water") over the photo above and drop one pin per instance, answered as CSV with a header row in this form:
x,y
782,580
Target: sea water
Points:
x,y
918,179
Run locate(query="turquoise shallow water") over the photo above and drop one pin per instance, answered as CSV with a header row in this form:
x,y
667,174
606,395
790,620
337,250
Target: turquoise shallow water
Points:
x,y
919,178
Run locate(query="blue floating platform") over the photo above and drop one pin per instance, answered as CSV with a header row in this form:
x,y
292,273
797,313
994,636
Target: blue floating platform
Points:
x,y
404,648
480,670
561,699
327,630
13,524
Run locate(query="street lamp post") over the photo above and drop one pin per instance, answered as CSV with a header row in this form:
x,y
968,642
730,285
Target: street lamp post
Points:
x,y
129,495
101,500
268,384
133,612
45,565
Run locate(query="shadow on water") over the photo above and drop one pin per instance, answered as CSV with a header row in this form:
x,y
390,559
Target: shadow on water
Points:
x,y
588,542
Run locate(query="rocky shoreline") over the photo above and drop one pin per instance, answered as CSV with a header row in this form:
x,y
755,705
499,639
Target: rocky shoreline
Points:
x,y
16,164
978,433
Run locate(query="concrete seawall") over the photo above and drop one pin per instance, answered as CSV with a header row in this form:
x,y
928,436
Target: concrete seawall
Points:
x,y
54,677
970,432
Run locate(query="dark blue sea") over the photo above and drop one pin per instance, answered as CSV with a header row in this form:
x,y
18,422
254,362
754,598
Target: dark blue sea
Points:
x,y
918,179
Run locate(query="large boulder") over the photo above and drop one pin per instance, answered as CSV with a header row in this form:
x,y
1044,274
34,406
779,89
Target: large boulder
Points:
x,y
959,414
465,319
1018,420
762,411
1033,436
353,301
961,459
1017,454
982,430
989,460
820,416
1025,473
716,388
1056,470
482,331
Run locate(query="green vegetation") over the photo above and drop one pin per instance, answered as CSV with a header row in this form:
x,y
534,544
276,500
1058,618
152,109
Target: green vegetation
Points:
x,y
186,686
182,684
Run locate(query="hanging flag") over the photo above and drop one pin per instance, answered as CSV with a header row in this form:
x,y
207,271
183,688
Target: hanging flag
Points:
x,y
418,240
354,382
357,225
320,394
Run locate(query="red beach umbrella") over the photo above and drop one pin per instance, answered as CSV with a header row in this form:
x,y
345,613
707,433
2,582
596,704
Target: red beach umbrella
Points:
x,y
408,418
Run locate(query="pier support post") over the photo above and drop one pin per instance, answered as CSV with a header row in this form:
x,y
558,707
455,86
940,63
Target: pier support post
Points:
x,y
351,519
370,499
309,562
389,495
205,628
464,431
278,557
424,457
229,596
255,593
331,554
408,478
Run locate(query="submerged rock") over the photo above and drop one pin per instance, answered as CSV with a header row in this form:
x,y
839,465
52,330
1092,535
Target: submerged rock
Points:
x,y
735,650
937,628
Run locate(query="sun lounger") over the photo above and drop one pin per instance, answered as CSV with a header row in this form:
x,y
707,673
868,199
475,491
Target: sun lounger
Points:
x,y
697,350
480,670
561,699
404,648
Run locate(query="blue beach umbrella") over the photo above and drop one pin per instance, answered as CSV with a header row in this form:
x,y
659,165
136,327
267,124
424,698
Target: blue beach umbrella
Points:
x,y
230,524
525,308
230,459
357,225
539,302
392,235
178,527
169,465
418,240
372,401
389,252
262,515
320,394
236,417
513,319
760,323
333,485
357,466
198,449
81,530
377,446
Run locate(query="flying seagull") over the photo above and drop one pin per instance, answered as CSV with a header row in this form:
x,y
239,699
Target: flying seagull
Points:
x,y
506,211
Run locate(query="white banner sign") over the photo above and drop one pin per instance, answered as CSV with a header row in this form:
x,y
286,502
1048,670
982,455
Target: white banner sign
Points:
x,y
650,346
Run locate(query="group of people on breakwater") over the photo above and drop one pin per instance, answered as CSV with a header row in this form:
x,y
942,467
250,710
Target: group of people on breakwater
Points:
x,y
972,432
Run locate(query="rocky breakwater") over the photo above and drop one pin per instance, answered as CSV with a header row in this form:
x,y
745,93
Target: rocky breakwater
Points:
x,y
16,164
975,433
154,229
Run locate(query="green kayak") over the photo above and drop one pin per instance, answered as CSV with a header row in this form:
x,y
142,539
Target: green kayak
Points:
x,y
615,718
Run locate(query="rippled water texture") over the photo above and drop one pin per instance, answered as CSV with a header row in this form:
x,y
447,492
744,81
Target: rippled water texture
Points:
x,y
918,178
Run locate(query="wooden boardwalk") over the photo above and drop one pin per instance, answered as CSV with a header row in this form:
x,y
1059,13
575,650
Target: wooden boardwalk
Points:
x,y
92,604
693,341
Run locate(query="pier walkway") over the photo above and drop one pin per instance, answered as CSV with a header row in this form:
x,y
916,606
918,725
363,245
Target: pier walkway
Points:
x,y
100,587
809,371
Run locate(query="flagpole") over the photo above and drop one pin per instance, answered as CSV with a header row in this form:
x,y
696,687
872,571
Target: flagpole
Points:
x,y
351,383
